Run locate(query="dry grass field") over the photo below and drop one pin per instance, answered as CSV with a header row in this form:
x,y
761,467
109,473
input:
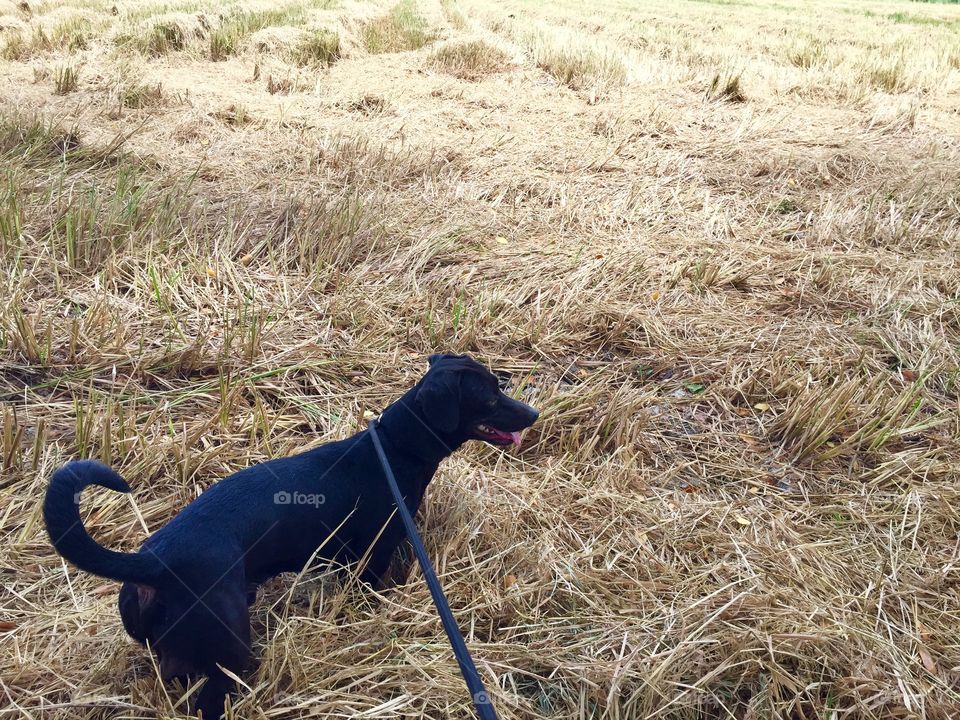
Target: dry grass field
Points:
x,y
714,241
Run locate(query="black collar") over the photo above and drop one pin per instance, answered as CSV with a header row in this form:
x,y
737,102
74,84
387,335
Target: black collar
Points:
x,y
409,434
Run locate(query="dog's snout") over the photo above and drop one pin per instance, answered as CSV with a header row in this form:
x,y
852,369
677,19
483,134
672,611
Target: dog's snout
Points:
x,y
530,413
525,414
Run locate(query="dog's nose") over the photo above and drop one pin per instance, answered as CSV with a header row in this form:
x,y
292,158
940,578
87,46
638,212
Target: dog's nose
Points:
x,y
532,415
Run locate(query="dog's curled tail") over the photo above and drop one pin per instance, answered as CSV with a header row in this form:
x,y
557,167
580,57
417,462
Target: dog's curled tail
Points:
x,y
61,513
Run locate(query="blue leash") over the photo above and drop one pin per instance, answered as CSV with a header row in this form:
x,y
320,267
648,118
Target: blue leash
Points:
x,y
481,700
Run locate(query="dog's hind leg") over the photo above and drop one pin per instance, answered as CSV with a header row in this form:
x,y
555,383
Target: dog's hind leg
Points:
x,y
227,636
212,698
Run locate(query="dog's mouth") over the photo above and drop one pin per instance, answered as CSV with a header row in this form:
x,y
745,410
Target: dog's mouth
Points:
x,y
492,435
173,668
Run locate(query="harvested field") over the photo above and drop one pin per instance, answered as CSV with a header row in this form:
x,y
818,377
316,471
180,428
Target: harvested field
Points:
x,y
714,241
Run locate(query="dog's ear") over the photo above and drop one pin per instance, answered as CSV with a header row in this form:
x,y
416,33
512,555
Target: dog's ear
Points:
x,y
147,594
136,603
439,399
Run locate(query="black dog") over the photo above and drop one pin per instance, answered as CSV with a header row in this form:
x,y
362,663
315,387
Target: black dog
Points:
x,y
187,590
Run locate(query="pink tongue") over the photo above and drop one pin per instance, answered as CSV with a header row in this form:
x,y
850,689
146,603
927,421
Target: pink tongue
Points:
x,y
515,436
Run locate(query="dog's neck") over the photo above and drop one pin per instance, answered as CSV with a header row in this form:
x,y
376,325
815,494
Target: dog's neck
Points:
x,y
409,433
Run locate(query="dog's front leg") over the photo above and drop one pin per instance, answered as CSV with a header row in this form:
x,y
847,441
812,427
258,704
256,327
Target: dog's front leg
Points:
x,y
404,559
375,570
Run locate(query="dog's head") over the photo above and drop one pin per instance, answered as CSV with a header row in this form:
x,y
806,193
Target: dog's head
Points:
x,y
184,632
153,615
461,400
